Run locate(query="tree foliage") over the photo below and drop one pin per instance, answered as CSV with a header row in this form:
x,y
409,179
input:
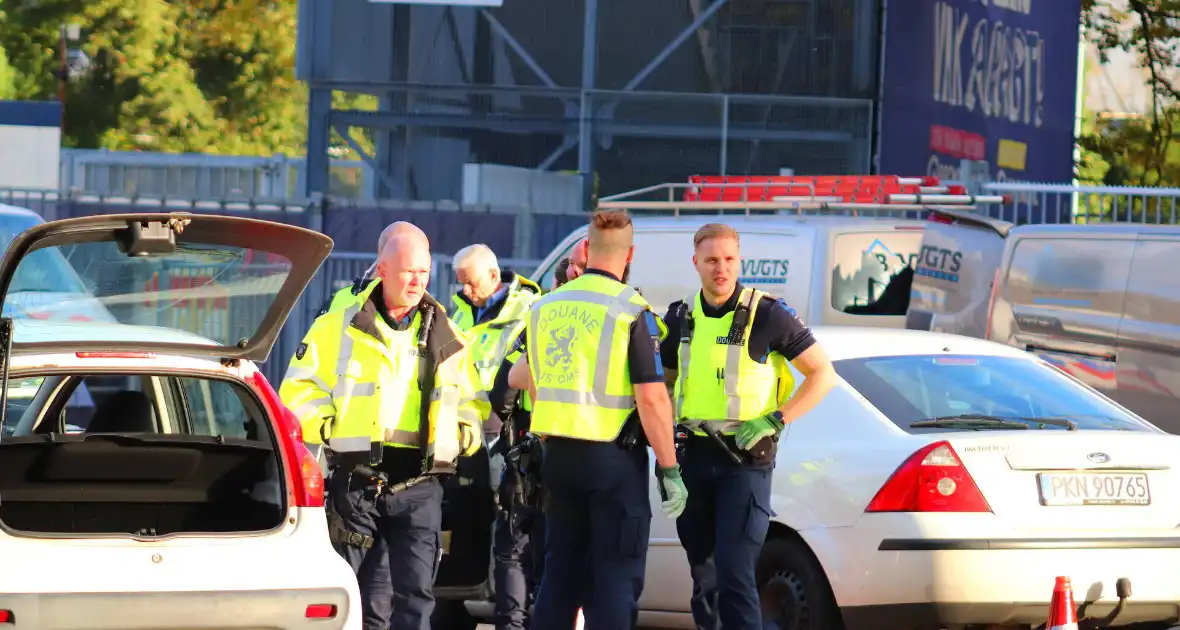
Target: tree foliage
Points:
x,y
214,76
1137,151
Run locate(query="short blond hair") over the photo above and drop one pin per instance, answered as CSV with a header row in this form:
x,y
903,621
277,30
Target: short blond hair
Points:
x,y
715,230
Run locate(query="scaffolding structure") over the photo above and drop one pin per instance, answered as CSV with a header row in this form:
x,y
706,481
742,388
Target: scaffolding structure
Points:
x,y
419,61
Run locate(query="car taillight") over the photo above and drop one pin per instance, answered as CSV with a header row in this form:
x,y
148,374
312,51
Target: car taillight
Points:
x,y
307,480
320,611
931,480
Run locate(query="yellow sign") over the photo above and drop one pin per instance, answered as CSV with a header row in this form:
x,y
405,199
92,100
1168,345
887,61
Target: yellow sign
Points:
x,y
1012,154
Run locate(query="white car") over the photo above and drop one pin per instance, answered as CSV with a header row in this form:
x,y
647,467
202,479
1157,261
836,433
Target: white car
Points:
x,y
947,481
188,498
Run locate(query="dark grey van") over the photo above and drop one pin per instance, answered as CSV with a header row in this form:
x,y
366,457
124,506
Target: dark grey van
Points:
x,y
1101,302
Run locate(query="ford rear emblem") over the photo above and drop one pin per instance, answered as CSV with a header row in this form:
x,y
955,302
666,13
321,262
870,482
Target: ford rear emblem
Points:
x,y
1098,458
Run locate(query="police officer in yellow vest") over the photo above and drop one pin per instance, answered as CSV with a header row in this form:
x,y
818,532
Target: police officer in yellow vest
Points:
x,y
518,547
375,572
594,370
386,386
727,348
490,307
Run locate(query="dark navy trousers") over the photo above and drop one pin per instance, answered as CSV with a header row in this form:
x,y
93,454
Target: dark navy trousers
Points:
x,y
395,575
722,530
597,520
518,548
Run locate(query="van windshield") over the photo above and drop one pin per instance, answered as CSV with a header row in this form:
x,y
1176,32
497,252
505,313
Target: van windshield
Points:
x,y
973,392
872,271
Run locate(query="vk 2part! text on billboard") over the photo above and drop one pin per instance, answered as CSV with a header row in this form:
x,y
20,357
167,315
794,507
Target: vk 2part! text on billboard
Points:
x,y
988,80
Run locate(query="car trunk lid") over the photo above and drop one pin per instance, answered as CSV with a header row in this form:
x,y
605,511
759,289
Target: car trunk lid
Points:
x,y
1059,481
230,279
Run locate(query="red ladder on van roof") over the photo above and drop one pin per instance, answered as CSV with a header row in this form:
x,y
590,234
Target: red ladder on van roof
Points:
x,y
853,193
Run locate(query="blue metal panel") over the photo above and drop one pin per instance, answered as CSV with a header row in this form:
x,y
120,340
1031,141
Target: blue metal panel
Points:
x,y
356,229
30,113
550,229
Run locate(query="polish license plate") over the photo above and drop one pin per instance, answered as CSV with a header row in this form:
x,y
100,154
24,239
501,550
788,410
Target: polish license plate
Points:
x,y
1091,488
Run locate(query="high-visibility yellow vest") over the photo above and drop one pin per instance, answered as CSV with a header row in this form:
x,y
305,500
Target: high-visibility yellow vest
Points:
x,y
717,381
577,340
343,298
354,383
491,340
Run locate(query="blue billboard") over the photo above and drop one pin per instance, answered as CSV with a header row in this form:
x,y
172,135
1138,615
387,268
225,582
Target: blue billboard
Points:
x,y
990,80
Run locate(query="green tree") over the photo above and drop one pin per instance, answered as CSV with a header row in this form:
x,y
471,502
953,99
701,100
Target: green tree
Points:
x,y
1136,151
213,76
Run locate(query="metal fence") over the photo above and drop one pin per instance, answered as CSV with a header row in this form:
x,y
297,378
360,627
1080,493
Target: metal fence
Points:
x,y
514,231
199,175
1065,203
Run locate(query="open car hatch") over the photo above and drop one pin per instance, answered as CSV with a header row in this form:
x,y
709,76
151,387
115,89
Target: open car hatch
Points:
x,y
157,282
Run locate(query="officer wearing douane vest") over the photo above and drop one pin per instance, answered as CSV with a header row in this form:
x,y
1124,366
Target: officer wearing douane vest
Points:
x,y
387,387
518,546
593,368
727,350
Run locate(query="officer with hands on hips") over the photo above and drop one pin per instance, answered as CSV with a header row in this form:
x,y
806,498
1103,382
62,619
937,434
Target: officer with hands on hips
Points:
x,y
385,386
593,369
727,351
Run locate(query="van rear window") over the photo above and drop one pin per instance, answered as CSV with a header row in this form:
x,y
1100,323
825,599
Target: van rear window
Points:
x,y
872,271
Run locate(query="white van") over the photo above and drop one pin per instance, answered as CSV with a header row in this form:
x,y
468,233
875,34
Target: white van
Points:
x,y
834,270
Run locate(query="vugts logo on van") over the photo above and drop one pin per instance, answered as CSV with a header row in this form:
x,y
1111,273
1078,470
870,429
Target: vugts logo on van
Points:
x,y
764,271
939,263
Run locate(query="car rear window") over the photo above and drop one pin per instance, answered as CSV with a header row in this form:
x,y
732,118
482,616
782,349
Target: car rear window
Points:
x,y
872,271
911,388
134,403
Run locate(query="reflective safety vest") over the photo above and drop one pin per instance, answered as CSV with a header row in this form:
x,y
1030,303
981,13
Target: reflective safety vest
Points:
x,y
356,384
577,340
348,296
491,340
718,382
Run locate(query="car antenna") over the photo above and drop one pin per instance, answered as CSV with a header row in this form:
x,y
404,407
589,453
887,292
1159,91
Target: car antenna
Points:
x,y
6,325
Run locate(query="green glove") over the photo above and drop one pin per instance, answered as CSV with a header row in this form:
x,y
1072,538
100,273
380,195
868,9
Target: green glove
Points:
x,y
672,491
753,431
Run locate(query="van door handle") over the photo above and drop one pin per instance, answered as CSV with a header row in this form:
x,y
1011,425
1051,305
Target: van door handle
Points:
x,y
1109,356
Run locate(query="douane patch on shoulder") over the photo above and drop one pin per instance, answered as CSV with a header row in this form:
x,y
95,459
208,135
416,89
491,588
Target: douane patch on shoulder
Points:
x,y
300,351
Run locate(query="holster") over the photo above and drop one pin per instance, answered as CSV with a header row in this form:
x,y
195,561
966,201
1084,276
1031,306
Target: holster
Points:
x,y
524,460
632,437
339,533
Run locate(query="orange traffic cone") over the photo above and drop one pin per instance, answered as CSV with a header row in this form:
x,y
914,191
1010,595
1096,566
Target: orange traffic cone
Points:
x,y
1062,613
580,622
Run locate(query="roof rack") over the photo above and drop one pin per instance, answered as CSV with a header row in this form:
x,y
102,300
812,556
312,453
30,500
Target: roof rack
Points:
x,y
851,194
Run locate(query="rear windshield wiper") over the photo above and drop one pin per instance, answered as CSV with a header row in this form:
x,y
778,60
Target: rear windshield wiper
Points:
x,y
975,421
980,422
